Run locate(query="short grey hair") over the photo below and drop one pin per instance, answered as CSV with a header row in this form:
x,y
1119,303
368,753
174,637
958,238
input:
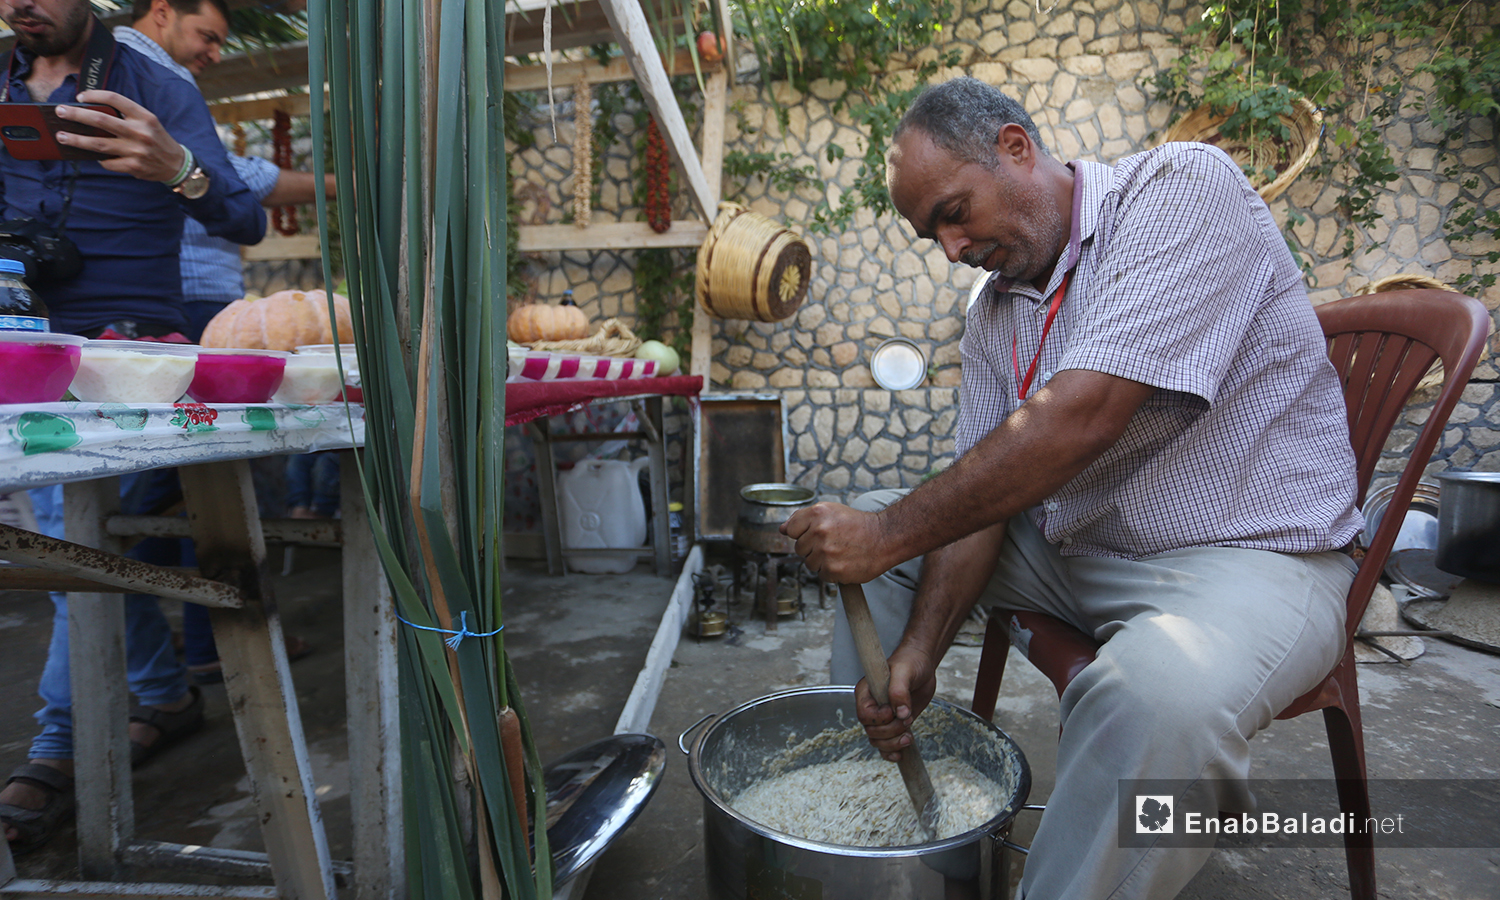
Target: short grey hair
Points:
x,y
964,117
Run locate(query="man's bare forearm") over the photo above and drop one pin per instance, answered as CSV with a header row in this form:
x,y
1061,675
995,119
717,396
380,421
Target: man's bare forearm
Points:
x,y
953,578
297,188
1032,454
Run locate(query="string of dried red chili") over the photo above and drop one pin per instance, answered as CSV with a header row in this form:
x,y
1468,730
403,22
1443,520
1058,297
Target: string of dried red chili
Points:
x,y
658,179
283,218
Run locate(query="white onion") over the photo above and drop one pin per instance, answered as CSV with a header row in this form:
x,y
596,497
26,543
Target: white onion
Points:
x,y
666,357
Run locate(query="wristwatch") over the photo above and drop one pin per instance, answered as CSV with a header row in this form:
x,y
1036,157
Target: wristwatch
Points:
x,y
194,184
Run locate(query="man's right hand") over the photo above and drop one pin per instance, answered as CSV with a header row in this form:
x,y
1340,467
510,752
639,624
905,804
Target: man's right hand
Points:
x,y
138,145
913,683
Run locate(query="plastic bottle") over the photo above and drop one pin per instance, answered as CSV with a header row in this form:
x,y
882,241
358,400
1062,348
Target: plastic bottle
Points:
x,y
600,505
20,307
680,541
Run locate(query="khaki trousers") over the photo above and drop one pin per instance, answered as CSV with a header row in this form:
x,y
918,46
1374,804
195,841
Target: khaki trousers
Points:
x,y
1202,647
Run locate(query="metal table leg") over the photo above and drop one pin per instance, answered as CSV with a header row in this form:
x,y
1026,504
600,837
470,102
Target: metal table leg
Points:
x,y
546,479
656,448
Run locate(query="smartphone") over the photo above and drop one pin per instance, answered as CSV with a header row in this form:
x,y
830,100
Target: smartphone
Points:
x,y
29,131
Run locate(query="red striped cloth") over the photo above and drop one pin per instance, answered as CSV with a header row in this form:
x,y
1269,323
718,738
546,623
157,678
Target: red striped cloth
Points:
x,y
527,400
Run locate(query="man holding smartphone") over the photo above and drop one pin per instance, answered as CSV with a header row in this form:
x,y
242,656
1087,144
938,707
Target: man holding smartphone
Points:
x,y
185,37
124,213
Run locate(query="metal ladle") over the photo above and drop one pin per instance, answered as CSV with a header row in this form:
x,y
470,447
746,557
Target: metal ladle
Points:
x,y
878,673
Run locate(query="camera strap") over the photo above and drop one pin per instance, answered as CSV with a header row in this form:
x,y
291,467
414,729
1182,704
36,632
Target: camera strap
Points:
x,y
93,73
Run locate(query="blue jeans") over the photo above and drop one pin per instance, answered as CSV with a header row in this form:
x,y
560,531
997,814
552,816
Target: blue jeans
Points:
x,y
152,671
312,481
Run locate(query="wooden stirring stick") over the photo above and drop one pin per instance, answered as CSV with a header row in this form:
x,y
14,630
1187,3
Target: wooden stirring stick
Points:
x,y
878,673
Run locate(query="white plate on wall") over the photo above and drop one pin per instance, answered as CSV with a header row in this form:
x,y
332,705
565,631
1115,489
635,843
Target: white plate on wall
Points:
x,y
898,365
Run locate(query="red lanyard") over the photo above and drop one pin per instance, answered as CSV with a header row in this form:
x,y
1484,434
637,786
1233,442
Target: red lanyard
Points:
x,y
1015,360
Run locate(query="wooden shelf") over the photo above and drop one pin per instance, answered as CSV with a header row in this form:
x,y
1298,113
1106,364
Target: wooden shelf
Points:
x,y
565,75
610,236
275,246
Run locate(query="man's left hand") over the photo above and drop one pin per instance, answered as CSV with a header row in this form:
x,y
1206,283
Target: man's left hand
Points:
x,y
139,145
842,545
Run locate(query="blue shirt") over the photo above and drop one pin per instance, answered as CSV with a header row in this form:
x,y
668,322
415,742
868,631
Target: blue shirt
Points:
x,y
129,231
211,266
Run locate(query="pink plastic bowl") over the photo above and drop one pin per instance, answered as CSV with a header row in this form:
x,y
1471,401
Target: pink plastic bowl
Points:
x,y
38,366
237,376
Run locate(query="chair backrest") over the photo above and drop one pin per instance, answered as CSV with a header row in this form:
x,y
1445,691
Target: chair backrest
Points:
x,y
1381,345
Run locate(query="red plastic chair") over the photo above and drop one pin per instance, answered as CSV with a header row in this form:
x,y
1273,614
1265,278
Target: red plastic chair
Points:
x,y
1381,345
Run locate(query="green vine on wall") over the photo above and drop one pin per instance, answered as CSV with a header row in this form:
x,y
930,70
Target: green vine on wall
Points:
x,y
519,136
663,286
1249,59
853,45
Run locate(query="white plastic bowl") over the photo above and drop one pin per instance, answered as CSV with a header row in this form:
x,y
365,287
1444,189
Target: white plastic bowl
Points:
x,y
134,372
310,378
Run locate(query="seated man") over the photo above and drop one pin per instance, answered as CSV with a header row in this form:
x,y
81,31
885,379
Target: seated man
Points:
x,y
1152,446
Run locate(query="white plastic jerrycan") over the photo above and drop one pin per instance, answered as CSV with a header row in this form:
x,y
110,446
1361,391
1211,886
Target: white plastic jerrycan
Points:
x,y
601,506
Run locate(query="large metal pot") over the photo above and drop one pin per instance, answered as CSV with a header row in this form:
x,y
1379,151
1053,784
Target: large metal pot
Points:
x,y
763,507
1468,541
748,860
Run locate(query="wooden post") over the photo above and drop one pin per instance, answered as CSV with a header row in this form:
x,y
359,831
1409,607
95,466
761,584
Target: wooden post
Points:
x,y
372,700
715,107
220,502
96,660
634,36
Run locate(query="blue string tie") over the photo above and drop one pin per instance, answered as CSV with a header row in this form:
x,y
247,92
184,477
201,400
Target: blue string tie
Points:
x,y
455,637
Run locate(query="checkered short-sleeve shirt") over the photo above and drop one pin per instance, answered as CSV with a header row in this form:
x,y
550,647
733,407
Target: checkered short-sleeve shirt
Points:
x,y
1183,282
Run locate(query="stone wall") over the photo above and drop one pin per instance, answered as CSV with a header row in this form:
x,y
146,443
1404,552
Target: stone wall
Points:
x,y
1078,70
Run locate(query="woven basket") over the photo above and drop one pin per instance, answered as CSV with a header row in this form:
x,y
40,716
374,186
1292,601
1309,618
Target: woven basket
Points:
x,y
1305,124
612,339
1404,283
749,267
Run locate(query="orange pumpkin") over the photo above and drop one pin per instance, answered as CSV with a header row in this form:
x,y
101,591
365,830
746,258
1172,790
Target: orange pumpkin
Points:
x,y
540,322
284,320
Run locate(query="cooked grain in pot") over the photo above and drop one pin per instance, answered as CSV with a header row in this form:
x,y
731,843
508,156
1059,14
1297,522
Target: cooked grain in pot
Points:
x,y
862,802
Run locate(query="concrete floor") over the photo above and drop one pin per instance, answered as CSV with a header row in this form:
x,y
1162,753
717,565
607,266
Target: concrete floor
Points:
x,y
577,643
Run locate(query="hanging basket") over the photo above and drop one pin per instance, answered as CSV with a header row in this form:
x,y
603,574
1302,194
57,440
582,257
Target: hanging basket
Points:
x,y
1306,126
749,267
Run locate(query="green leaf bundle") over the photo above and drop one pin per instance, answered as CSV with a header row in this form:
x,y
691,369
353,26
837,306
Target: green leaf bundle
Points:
x,y
415,131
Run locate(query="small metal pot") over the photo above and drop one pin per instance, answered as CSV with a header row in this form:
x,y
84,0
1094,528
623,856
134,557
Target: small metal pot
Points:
x,y
746,859
763,507
1468,541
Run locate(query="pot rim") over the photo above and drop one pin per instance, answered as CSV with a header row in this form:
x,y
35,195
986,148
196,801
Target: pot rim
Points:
x,y
991,829
777,486
1479,477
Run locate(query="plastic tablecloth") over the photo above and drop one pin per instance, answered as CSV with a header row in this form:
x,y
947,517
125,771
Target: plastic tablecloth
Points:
x,y
51,443
528,400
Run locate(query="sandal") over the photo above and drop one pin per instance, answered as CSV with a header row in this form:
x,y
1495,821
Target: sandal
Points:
x,y
35,827
172,726
213,673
